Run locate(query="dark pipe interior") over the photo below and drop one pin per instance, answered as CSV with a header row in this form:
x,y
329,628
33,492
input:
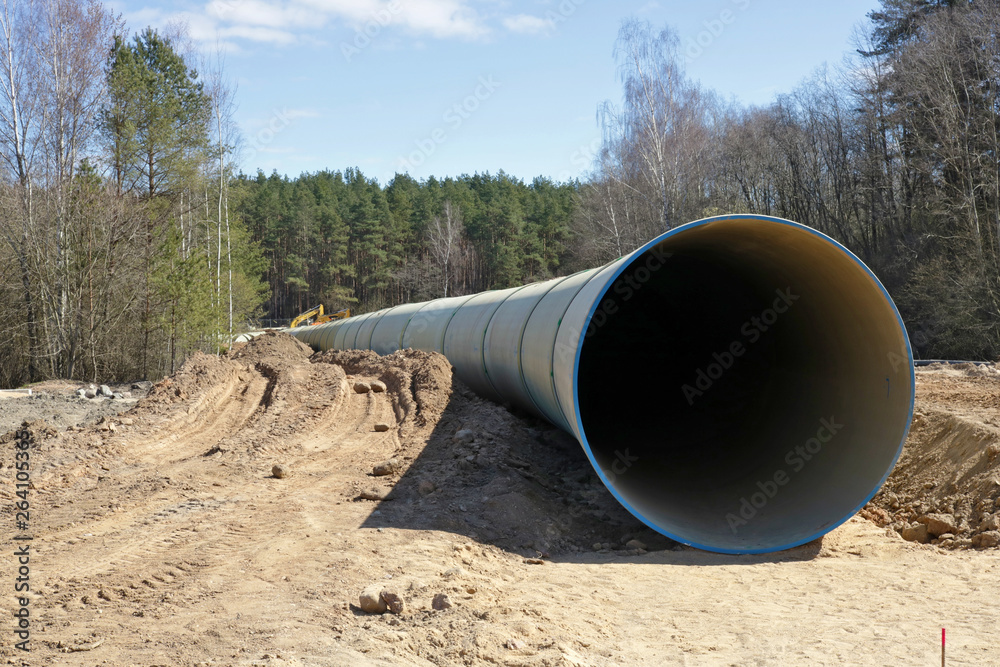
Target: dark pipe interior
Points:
x,y
695,390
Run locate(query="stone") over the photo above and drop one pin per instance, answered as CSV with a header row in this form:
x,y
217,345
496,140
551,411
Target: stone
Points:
x,y
381,427
515,644
990,522
362,387
426,487
440,602
386,468
280,470
989,539
82,393
105,390
371,600
916,533
126,421
464,437
117,396
373,493
392,601
90,393
635,544
378,386
939,524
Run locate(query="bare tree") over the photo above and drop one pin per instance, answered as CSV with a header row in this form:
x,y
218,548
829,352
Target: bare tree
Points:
x,y
222,94
19,138
660,132
444,236
73,44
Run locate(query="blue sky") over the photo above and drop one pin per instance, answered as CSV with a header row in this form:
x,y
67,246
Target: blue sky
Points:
x,y
446,87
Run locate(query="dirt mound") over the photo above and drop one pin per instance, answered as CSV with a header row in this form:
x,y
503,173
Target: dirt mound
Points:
x,y
472,467
964,369
272,346
948,476
419,382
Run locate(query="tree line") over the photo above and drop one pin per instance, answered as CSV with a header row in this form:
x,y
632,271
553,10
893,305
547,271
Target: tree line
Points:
x,y
340,239
896,154
129,237
118,253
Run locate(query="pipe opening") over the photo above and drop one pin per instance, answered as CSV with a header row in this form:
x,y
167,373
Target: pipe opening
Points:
x,y
744,385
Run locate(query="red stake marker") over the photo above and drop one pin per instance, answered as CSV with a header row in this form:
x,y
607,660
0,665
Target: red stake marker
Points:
x,y
942,647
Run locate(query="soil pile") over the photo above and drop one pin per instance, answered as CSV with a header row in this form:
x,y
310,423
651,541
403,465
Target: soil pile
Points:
x,y
945,488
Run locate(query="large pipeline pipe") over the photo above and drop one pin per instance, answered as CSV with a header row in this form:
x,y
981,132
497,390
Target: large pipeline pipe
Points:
x,y
741,384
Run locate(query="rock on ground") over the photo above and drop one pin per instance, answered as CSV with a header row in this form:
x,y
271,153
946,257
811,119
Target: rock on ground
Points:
x,y
939,524
441,602
371,600
386,467
916,533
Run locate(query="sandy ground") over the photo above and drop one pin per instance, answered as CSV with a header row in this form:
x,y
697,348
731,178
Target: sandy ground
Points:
x,y
161,536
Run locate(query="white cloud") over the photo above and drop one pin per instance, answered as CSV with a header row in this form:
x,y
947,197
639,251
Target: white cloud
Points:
x,y
258,12
283,22
441,18
527,24
259,34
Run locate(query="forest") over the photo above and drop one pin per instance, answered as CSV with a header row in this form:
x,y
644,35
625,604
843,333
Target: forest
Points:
x,y
340,239
131,234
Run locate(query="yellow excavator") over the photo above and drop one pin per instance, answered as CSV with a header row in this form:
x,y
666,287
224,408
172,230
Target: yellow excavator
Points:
x,y
315,315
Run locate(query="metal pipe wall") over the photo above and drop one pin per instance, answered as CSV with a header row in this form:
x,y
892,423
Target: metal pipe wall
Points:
x,y
742,384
